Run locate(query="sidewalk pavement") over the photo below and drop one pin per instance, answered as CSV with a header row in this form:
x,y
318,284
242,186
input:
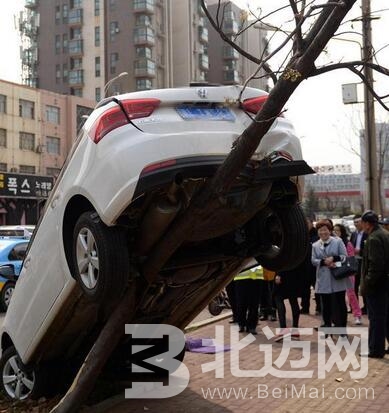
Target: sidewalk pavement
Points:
x,y
337,392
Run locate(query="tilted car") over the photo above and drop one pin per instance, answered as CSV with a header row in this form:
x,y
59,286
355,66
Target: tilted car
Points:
x,y
134,169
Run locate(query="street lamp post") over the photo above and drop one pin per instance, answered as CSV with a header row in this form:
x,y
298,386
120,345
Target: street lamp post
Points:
x,y
110,82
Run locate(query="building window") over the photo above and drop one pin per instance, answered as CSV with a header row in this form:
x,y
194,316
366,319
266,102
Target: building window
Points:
x,y
76,63
57,73
65,13
97,36
57,14
53,145
3,167
143,52
97,7
114,58
143,20
113,30
3,104
112,5
75,33
76,92
3,138
53,171
65,73
65,43
57,44
82,113
97,66
52,114
76,77
144,84
27,169
75,4
26,141
98,94
26,109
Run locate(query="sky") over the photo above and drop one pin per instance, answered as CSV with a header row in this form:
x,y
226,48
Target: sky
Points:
x,y
328,129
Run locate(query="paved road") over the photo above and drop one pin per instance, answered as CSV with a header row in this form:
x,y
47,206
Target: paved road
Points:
x,y
336,392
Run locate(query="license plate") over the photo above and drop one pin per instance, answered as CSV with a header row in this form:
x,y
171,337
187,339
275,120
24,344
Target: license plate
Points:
x,y
201,113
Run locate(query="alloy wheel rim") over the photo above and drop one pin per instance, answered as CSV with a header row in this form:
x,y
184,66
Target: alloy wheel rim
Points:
x,y
8,295
17,383
87,258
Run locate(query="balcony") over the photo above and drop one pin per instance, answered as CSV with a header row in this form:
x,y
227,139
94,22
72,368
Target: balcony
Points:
x,y
76,77
203,62
144,6
230,27
231,76
144,68
75,17
75,47
230,53
203,34
144,36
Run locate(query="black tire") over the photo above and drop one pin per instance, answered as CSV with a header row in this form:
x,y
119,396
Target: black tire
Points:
x,y
6,294
214,306
93,241
28,384
287,232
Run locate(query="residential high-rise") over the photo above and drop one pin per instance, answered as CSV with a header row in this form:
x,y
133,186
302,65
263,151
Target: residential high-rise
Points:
x,y
93,48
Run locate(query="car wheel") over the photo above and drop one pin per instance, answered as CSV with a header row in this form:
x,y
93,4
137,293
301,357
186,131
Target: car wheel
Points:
x,y
287,235
18,381
6,295
214,306
100,257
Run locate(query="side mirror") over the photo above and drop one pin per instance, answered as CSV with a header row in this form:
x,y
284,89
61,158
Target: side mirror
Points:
x,y
7,271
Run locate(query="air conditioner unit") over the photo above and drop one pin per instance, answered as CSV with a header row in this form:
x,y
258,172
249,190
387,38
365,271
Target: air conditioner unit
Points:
x,y
39,149
117,30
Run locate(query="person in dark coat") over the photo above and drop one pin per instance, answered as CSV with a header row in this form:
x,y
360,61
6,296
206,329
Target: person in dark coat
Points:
x,y
288,285
309,275
375,282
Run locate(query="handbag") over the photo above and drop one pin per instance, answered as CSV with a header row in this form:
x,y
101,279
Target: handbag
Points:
x,y
348,267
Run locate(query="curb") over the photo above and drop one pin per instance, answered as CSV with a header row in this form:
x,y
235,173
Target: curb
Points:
x,y
111,402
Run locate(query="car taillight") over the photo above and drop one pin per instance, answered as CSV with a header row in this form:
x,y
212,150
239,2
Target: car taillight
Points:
x,y
140,108
254,105
114,117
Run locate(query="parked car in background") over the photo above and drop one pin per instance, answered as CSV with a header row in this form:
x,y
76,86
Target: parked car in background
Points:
x,y
132,172
16,230
12,252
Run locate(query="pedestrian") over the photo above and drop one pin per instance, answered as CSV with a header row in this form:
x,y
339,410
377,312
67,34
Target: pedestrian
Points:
x,y
326,252
309,278
231,294
288,285
385,225
267,305
247,288
358,238
374,282
340,231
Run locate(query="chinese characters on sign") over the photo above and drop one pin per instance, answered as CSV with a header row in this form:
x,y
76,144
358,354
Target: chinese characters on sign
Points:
x,y
25,186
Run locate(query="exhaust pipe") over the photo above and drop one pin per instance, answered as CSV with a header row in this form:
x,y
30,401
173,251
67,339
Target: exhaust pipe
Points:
x,y
159,216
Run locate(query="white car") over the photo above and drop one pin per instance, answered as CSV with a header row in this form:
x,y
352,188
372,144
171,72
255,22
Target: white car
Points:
x,y
133,170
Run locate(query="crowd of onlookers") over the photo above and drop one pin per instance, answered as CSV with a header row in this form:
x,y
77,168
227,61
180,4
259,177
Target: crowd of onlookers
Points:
x,y
260,294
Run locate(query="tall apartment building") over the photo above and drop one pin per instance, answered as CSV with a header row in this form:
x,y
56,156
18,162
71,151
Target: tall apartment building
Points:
x,y
78,46
227,65
37,129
